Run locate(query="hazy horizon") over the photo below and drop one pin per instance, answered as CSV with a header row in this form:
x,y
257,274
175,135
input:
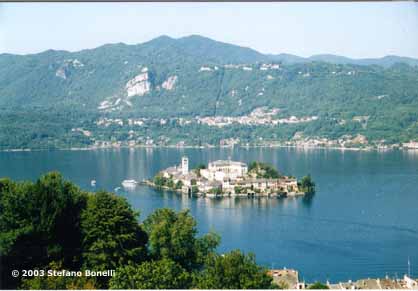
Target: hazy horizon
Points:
x,y
354,30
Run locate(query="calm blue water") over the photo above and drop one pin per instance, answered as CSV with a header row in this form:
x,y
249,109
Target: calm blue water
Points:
x,y
362,222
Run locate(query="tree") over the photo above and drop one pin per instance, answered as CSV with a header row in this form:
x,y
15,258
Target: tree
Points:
x,y
170,183
195,189
198,168
215,190
201,166
46,212
173,236
112,236
205,246
179,184
307,184
238,190
160,181
161,274
53,221
233,270
262,170
318,285
58,282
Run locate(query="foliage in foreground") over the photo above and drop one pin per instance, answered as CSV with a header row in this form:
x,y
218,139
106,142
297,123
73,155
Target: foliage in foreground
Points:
x,y
161,274
53,225
59,282
233,271
173,236
109,223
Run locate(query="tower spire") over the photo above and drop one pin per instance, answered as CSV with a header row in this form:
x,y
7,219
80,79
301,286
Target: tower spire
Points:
x,y
409,268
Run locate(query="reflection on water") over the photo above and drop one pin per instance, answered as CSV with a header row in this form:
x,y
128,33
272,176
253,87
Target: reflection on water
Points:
x,y
360,223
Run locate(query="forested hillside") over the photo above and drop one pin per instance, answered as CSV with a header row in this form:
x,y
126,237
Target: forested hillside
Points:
x,y
196,91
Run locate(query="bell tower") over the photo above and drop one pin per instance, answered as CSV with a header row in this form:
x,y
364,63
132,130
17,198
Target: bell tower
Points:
x,y
184,165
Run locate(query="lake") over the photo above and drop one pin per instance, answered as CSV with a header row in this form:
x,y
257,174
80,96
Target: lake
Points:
x,y
362,222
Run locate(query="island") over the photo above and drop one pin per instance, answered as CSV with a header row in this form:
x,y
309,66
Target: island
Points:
x,y
227,178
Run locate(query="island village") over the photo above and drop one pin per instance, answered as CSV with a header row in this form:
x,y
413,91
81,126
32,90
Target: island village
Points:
x,y
224,178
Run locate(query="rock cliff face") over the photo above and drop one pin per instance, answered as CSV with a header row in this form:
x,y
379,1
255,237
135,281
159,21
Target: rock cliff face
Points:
x,y
170,83
66,66
139,85
135,87
60,73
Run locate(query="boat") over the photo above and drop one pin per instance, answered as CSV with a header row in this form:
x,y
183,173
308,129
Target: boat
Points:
x,y
117,189
129,183
93,183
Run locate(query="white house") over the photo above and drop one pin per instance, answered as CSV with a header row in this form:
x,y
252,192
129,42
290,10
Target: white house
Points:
x,y
224,169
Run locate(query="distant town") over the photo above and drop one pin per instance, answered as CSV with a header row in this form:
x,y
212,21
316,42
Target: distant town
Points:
x,y
261,116
224,178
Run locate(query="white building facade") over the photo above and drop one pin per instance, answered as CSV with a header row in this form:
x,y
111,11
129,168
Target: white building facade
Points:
x,y
221,170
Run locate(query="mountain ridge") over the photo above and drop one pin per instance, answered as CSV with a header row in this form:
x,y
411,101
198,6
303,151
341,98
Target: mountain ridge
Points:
x,y
287,58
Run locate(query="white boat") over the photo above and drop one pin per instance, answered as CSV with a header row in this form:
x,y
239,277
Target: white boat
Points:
x,y
129,183
117,189
93,183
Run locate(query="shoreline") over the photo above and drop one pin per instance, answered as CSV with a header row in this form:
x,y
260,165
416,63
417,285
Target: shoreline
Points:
x,y
368,149
149,183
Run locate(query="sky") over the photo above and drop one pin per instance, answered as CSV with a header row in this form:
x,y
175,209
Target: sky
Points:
x,y
352,29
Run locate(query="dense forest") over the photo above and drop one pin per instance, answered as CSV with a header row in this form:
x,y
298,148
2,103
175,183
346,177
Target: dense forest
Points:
x,y
52,224
56,99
